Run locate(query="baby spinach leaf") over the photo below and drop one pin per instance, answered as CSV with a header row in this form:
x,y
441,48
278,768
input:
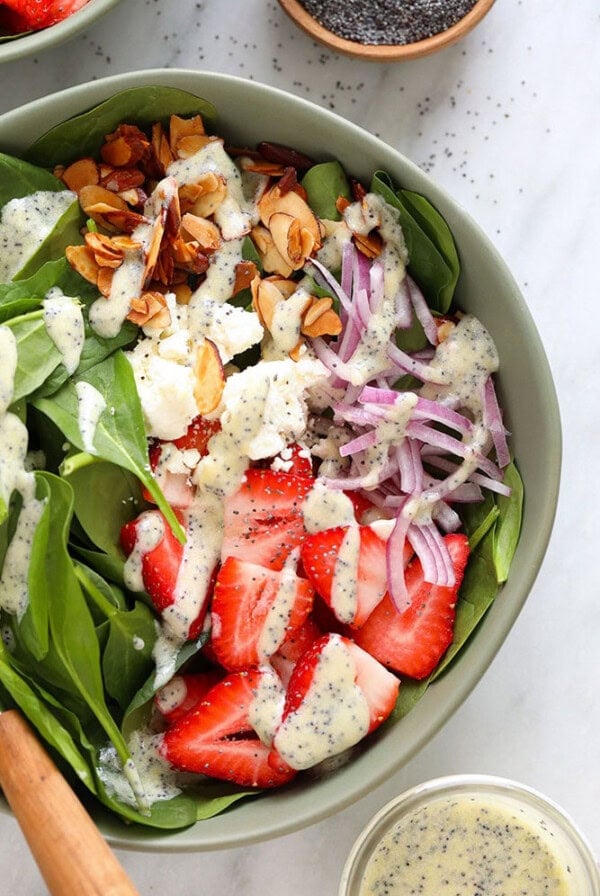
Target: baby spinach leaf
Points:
x,y
37,356
83,135
74,654
120,435
23,295
19,179
43,717
324,184
435,273
65,233
508,526
34,626
106,497
130,636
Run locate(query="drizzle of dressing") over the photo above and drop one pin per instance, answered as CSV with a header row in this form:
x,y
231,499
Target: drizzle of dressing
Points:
x,y
325,508
344,586
63,319
333,715
14,477
90,404
24,225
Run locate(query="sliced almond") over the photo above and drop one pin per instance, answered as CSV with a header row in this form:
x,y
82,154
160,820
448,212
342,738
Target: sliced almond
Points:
x,y
184,127
205,232
316,309
370,244
245,272
327,324
150,310
105,278
271,259
81,259
83,173
209,377
163,153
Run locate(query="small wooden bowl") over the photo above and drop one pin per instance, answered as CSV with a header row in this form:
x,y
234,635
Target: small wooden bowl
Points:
x,y
385,52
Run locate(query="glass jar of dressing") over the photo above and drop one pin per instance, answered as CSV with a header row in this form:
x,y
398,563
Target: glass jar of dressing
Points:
x,y
467,834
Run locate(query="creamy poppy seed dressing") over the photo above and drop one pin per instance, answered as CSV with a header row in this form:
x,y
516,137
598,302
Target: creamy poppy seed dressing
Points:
x,y
333,716
14,589
344,587
24,225
467,844
63,319
90,405
278,616
107,314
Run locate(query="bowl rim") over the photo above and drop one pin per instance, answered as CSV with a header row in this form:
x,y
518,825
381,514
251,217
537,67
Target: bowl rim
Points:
x,y
385,52
327,796
35,41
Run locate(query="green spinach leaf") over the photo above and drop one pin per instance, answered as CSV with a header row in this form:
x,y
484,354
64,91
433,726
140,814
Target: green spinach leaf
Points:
x,y
83,135
324,184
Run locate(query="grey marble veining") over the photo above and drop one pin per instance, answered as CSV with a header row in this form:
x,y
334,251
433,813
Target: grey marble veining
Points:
x,y
509,122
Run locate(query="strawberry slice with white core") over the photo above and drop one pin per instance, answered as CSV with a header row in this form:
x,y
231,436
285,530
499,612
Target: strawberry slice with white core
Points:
x,y
347,567
254,610
294,647
326,709
217,739
263,519
414,641
184,692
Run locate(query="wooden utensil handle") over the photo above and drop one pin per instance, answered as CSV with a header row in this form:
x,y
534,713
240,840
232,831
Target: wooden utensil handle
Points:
x,y
73,857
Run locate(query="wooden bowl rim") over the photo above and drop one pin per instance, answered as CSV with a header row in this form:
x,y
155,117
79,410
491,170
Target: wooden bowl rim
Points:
x,y
385,52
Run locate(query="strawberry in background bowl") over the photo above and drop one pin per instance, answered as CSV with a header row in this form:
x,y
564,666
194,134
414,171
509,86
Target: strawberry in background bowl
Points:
x,y
28,26
264,553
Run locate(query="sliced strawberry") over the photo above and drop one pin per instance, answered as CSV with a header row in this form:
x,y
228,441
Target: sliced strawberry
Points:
x,y
177,486
254,609
352,582
217,739
25,15
294,459
184,692
294,646
336,695
160,559
263,519
361,503
199,434
413,642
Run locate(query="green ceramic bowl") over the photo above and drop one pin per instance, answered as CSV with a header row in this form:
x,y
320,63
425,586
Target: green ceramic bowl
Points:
x,y
36,41
250,112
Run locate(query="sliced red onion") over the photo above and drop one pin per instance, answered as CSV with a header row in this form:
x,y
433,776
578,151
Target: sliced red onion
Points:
x,y
408,364
492,419
394,558
403,306
360,443
422,311
425,409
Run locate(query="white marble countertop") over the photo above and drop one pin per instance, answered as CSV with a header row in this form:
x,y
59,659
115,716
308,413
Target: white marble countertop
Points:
x,y
509,122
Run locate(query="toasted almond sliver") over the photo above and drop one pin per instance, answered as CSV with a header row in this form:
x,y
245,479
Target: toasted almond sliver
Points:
x,y
265,298
245,272
82,173
370,245
205,232
209,376
316,309
184,127
94,196
262,166
154,248
189,146
271,259
327,324
150,309
81,259
105,278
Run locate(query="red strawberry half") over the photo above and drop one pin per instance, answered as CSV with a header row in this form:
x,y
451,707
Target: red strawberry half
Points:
x,y
184,692
336,695
32,15
294,646
413,642
263,519
161,562
254,610
361,580
177,486
217,739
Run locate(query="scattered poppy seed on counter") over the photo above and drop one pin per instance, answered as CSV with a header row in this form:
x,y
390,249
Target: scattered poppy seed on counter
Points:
x,y
387,21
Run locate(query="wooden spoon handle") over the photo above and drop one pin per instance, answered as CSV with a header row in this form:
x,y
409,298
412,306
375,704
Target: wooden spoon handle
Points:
x,y
70,852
